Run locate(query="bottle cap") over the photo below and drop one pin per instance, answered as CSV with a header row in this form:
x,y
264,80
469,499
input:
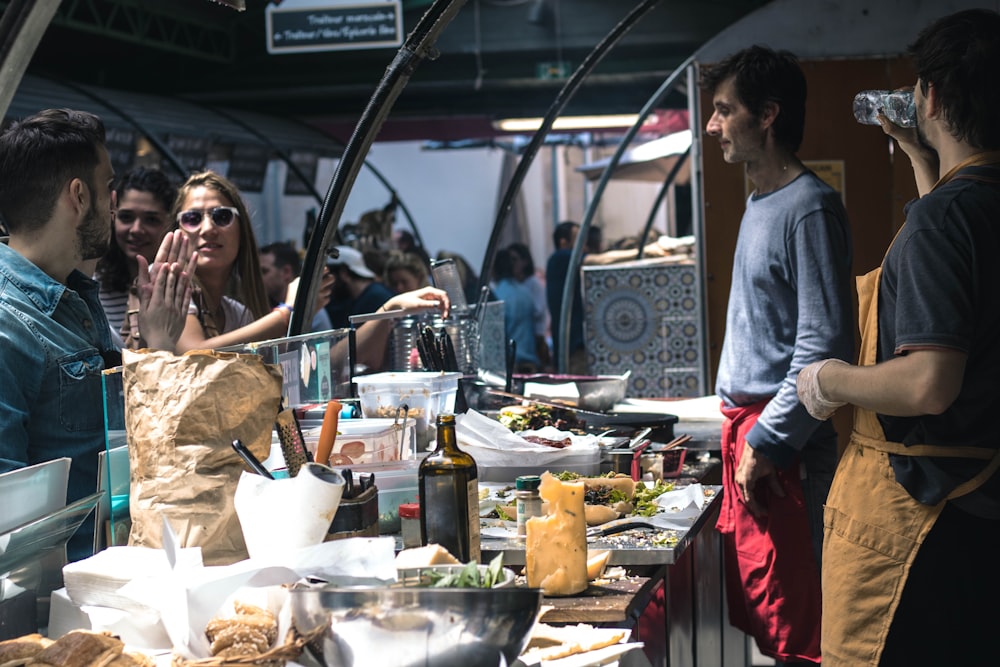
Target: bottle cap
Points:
x,y
527,482
409,511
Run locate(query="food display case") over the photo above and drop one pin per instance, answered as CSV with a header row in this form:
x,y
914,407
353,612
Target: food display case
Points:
x,y
315,367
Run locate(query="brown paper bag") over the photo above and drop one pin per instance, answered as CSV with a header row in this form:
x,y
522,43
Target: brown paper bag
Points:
x,y
181,415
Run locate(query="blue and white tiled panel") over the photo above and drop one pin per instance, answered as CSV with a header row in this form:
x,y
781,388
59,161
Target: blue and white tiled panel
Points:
x,y
645,319
661,289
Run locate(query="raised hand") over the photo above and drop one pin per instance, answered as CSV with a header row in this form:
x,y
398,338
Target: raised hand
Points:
x,y
165,291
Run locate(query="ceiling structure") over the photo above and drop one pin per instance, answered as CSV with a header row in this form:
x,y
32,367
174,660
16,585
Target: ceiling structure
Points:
x,y
498,58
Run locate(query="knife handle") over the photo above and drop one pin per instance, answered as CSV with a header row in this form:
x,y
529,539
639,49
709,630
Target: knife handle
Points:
x,y
328,432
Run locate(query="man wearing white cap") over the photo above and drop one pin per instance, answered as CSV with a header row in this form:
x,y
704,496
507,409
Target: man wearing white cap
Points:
x,y
355,290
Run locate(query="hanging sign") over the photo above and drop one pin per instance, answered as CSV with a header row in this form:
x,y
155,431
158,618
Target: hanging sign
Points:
x,y
327,25
248,166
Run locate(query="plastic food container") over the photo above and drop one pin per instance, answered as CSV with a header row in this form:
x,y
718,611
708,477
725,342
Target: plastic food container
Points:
x,y
363,441
397,485
425,394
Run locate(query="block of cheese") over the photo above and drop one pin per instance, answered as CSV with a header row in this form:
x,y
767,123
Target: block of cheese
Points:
x,y
425,556
555,549
596,562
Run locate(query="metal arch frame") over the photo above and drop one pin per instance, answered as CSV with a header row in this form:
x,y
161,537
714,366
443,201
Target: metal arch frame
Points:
x,y
379,176
660,196
564,96
417,47
162,147
280,152
577,254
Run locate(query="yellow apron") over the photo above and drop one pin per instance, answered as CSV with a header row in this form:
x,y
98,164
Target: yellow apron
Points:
x,y
873,528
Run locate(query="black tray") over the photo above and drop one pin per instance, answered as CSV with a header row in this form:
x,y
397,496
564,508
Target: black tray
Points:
x,y
625,423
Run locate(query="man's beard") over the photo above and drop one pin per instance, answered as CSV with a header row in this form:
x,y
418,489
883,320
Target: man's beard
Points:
x,y
922,138
94,235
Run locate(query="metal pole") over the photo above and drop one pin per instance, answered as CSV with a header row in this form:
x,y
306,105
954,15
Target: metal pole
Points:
x,y
564,96
417,47
660,196
577,255
21,28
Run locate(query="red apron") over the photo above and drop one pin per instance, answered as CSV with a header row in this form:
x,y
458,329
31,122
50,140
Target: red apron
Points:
x,y
772,579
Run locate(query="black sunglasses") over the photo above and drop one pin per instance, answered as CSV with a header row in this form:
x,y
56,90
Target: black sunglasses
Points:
x,y
222,216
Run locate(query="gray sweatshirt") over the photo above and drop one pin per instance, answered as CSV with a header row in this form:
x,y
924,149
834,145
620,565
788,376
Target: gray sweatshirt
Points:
x,y
789,305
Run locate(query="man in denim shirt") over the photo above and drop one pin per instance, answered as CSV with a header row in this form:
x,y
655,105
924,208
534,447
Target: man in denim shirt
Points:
x,y
56,200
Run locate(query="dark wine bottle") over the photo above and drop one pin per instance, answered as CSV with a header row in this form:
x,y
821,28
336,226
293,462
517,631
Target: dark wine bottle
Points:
x,y
449,495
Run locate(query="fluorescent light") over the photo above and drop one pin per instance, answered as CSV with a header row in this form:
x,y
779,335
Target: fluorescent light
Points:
x,y
569,122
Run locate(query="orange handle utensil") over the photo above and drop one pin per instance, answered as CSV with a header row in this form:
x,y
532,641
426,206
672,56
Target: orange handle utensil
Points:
x,y
328,433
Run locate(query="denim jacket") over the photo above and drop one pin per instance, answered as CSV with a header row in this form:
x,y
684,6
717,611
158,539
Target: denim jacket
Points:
x,y
51,399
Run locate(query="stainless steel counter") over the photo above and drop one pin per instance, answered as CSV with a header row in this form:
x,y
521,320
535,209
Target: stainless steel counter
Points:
x,y
628,549
696,632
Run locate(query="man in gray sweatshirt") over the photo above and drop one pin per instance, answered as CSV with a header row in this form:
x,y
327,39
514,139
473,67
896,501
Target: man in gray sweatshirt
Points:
x,y
789,305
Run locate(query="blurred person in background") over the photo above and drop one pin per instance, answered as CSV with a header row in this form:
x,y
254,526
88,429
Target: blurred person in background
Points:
x,y
556,275
356,289
595,240
375,259
524,272
405,272
280,265
518,312
404,241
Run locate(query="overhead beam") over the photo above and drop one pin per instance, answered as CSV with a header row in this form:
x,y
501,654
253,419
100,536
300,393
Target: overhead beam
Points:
x,y
151,24
21,28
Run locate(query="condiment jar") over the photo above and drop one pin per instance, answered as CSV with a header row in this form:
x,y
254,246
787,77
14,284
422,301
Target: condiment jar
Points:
x,y
409,524
529,503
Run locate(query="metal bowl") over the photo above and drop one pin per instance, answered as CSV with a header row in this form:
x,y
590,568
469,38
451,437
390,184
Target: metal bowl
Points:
x,y
598,393
411,627
421,576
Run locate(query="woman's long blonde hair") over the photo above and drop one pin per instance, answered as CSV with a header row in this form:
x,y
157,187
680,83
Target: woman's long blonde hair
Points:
x,y
245,282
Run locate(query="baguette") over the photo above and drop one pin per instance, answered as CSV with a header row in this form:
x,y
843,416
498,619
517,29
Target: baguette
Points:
x,y
619,482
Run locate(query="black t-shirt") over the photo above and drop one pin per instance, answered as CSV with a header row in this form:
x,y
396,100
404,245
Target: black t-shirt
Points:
x,y
940,287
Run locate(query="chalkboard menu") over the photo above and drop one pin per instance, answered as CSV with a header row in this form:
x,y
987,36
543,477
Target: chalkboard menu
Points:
x,y
248,165
361,25
307,162
121,147
190,150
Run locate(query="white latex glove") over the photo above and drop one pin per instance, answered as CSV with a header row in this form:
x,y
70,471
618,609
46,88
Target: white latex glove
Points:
x,y
811,394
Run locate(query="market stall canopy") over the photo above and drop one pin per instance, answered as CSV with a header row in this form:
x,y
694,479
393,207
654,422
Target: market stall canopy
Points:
x,y
651,161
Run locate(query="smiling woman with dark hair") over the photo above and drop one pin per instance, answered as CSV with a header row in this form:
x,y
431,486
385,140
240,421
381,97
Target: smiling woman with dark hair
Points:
x,y
141,220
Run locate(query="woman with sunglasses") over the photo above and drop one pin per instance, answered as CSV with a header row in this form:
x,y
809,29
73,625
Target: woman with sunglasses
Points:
x,y
230,306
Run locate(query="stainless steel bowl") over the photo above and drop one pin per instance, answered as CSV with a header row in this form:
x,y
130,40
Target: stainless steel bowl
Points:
x,y
598,393
416,627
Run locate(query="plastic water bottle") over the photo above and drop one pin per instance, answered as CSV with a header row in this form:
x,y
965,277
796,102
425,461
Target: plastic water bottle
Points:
x,y
898,107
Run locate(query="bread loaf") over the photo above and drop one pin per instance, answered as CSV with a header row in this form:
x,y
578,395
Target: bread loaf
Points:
x,y
80,648
16,652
